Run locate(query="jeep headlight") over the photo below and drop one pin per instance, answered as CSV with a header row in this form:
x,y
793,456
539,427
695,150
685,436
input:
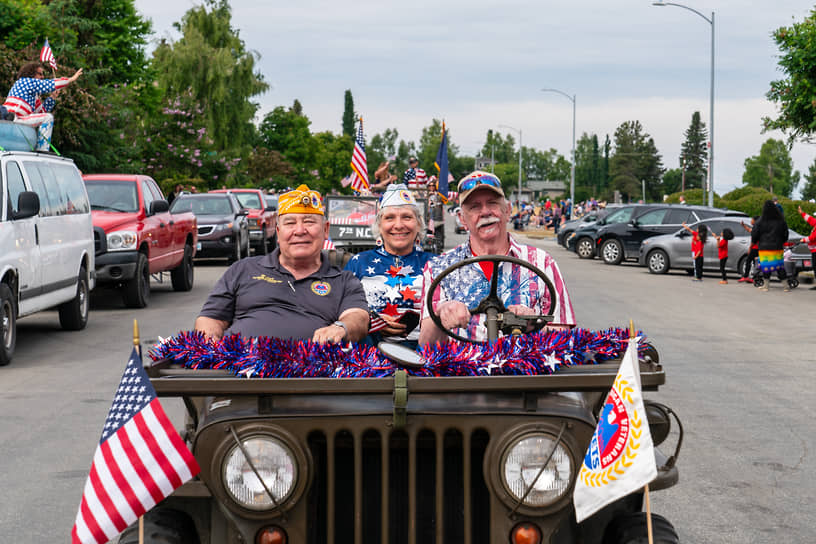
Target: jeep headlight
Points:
x,y
121,240
521,469
275,464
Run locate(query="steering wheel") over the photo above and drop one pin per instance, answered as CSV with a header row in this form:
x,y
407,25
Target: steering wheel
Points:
x,y
498,316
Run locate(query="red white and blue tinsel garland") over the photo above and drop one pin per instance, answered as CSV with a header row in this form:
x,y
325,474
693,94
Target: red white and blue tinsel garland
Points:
x,y
533,354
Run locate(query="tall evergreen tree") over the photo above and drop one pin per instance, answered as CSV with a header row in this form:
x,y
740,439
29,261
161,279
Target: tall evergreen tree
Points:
x,y
694,153
349,117
635,161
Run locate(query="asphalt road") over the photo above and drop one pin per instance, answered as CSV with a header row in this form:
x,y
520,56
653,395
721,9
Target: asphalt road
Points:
x,y
739,362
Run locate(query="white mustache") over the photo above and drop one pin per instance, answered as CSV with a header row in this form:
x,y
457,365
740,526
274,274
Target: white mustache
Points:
x,y
487,221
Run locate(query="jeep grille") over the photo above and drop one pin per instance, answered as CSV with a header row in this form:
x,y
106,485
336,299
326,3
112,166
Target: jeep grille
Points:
x,y
443,465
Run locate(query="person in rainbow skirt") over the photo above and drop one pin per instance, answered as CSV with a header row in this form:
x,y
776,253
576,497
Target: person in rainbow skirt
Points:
x,y
770,234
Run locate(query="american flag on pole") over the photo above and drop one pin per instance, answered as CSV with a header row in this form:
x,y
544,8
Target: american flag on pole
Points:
x,y
359,164
139,461
46,55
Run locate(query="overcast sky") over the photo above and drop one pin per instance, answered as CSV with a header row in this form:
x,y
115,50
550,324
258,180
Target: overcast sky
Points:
x,y
481,64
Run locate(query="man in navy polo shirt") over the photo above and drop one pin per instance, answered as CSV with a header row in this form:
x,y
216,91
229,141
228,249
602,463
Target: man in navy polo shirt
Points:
x,y
292,292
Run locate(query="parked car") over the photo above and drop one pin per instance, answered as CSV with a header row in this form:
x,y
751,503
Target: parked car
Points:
x,y
662,253
566,230
263,218
800,254
223,229
46,243
620,241
136,237
582,241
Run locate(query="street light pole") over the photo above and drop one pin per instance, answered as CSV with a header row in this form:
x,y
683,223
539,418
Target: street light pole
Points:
x,y
521,150
572,168
711,99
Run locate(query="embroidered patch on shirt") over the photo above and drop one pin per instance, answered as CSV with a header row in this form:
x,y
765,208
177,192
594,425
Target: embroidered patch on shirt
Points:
x,y
321,288
267,279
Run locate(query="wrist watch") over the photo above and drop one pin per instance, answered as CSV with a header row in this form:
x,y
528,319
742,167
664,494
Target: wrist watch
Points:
x,y
343,325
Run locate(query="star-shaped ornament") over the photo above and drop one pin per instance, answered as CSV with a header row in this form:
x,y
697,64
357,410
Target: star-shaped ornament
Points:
x,y
409,294
391,309
394,281
551,362
392,293
395,271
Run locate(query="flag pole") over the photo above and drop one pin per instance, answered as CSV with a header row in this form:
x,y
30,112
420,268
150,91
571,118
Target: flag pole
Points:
x,y
646,487
137,345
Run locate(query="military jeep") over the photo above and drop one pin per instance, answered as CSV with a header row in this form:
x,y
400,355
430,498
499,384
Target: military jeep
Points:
x,y
402,459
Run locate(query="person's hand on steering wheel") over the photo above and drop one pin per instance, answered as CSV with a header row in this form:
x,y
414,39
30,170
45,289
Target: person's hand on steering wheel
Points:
x,y
454,314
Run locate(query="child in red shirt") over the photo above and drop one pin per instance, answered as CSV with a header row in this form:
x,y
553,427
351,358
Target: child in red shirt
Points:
x,y
722,250
698,240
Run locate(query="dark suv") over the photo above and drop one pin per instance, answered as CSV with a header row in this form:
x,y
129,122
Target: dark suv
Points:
x,y
223,228
621,240
582,241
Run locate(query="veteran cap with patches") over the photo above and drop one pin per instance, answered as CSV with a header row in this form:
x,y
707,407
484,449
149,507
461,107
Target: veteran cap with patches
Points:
x,y
300,200
397,194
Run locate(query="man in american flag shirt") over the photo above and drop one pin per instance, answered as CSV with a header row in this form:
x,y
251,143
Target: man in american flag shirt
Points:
x,y
415,177
28,108
485,211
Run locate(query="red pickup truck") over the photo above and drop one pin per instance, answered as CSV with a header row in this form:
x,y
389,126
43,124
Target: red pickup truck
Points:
x,y
263,219
136,236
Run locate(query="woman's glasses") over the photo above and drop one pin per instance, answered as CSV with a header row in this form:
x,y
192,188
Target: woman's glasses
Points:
x,y
470,183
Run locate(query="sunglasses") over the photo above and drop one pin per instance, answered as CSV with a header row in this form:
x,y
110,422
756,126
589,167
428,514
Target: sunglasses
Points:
x,y
470,183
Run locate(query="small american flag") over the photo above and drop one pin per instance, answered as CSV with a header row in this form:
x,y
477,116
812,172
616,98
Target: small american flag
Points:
x,y
140,460
328,244
359,164
46,55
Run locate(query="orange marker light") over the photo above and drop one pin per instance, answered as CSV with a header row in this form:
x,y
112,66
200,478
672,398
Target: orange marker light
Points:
x,y
525,533
271,535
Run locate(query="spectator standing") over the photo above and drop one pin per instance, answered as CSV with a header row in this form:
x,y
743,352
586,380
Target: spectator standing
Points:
x,y
770,233
811,239
752,254
698,240
722,250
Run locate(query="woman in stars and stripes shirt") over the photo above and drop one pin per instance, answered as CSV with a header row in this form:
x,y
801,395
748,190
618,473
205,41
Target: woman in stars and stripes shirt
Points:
x,y
28,108
392,274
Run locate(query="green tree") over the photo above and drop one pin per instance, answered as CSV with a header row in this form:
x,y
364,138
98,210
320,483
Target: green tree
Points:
x,y
809,189
694,153
212,61
268,168
635,160
588,164
287,131
771,169
502,149
333,160
544,165
672,181
794,95
349,118
23,23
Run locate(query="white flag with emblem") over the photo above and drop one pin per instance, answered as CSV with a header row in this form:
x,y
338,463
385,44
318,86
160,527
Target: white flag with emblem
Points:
x,y
620,458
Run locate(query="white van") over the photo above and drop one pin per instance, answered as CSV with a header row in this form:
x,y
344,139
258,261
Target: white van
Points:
x,y
46,242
